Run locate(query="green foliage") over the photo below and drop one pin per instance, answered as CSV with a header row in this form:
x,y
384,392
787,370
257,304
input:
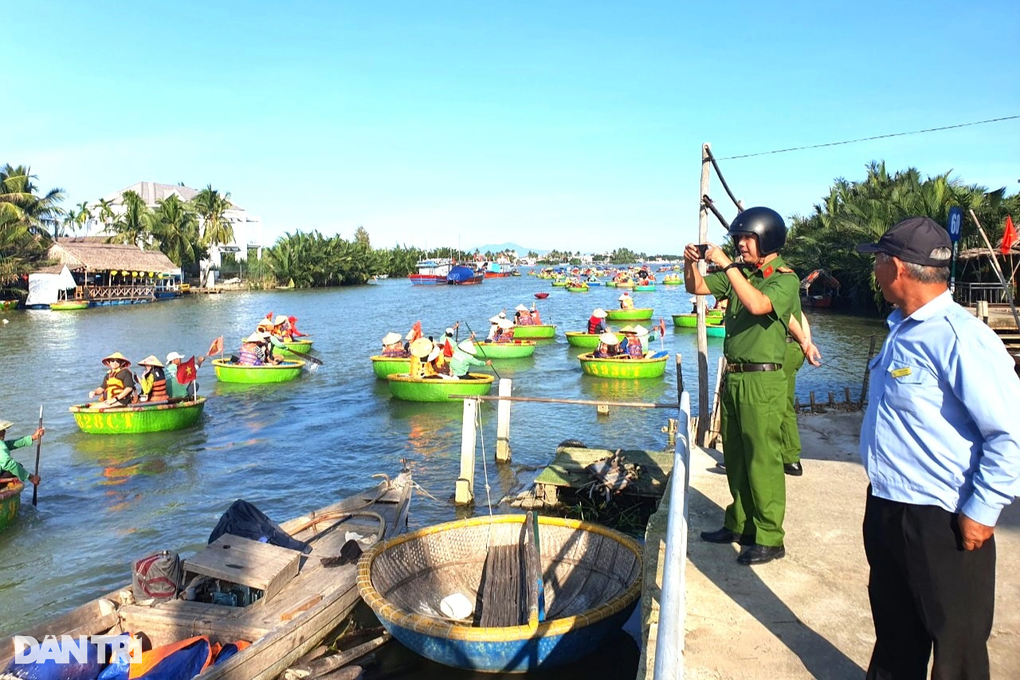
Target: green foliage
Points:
x,y
175,227
211,206
623,256
134,227
859,212
313,261
25,220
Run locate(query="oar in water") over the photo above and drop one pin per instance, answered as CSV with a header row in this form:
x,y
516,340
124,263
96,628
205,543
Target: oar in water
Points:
x,y
38,452
314,361
482,349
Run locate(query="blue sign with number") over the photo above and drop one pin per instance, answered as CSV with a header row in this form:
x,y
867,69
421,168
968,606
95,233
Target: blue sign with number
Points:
x,y
955,223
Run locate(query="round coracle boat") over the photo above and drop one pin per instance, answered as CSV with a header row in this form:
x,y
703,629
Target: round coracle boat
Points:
x,y
584,340
623,368
403,386
577,289
267,373
138,418
290,346
517,349
387,366
69,305
715,330
647,288
639,314
691,320
10,500
542,332
497,595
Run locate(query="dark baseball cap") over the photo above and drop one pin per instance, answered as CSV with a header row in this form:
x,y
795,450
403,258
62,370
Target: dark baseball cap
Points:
x,y
915,240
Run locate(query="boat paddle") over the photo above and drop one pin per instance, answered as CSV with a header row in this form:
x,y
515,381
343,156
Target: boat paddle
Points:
x,y
314,361
38,452
482,350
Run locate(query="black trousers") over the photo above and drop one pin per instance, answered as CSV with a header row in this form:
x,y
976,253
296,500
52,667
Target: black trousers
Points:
x,y
926,593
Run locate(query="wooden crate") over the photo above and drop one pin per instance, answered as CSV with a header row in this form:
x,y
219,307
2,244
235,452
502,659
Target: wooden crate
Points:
x,y
246,562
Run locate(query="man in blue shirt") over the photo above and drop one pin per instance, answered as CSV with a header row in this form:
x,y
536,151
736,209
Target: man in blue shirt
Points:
x,y
942,453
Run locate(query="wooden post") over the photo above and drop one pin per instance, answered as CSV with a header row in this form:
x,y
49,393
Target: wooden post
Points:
x,y
796,403
503,423
715,424
846,393
811,397
832,400
703,403
982,311
998,271
867,372
465,493
602,409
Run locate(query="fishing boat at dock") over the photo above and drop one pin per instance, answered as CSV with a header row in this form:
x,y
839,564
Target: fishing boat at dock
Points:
x,y
464,276
283,601
266,373
505,593
138,418
431,272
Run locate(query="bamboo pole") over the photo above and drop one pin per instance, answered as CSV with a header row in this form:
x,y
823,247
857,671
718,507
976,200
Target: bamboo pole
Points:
x,y
998,270
465,489
703,397
578,402
503,423
867,371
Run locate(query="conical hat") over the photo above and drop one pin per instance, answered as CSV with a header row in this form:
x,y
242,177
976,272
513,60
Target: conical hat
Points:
x,y
421,347
609,339
391,338
434,354
521,308
506,323
6,424
119,357
255,337
599,313
640,330
494,319
281,319
628,329
467,347
150,360
625,295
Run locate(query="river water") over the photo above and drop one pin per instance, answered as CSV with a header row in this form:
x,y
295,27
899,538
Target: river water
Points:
x,y
294,447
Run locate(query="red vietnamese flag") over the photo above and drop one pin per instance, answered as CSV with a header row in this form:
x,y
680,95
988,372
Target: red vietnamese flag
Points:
x,y
216,347
186,371
1009,236
662,327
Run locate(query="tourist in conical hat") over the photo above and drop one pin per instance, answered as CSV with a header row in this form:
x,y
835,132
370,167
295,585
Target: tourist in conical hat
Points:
x,y
420,349
118,387
597,322
464,359
506,331
153,380
522,317
609,346
393,347
626,301
9,466
631,345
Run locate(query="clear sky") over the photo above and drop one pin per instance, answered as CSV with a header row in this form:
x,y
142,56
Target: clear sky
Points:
x,y
562,124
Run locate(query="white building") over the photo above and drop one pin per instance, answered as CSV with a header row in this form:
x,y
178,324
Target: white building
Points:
x,y
247,228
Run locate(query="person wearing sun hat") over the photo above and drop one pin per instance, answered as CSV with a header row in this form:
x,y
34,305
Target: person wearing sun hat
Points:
x,y
631,345
393,347
9,466
118,385
464,359
506,331
153,380
609,346
420,349
175,389
597,322
522,317
494,327
448,342
626,301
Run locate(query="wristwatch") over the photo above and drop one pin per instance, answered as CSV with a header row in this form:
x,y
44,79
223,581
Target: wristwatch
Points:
x,y
730,266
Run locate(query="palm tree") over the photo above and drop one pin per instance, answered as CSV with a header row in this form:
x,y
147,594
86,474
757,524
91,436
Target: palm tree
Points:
x,y
105,212
135,225
68,223
211,207
176,228
20,204
83,216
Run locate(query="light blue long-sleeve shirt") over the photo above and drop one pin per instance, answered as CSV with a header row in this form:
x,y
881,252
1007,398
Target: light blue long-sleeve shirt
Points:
x,y
941,428
7,462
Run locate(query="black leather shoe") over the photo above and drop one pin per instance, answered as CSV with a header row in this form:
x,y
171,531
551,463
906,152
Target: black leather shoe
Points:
x,y
760,554
793,469
724,535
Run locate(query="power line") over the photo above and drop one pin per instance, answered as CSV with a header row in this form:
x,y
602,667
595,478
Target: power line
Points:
x,y
868,139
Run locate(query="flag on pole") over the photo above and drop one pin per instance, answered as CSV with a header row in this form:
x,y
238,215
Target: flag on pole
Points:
x,y
662,327
186,371
216,347
1009,237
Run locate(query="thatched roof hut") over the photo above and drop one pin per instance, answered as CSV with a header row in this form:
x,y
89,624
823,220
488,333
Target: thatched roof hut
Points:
x,y
95,255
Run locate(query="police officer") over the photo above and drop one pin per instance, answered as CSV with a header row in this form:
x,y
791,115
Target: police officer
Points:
x,y
762,292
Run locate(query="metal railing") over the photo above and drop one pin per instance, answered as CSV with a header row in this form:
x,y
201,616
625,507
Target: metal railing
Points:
x,y
968,293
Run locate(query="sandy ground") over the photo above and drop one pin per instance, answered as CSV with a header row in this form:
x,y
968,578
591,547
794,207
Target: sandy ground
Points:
x,y
807,615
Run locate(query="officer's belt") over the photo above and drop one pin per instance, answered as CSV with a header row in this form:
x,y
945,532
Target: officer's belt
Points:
x,y
751,368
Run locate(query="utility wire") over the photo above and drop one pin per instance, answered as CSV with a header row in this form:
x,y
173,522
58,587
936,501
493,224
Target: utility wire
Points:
x,y
868,139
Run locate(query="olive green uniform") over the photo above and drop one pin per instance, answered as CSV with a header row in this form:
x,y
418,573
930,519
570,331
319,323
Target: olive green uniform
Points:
x,y
754,404
791,364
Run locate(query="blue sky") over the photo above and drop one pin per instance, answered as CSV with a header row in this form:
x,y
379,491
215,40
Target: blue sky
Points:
x,y
554,125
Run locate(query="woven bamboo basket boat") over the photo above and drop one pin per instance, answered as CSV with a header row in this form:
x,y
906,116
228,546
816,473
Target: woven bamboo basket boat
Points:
x,y
403,386
292,347
691,320
623,368
10,500
640,314
139,418
584,340
268,373
590,583
541,332
518,349
387,366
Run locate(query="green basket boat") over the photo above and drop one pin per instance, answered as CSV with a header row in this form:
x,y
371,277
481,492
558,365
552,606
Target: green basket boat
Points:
x,y
518,349
623,368
672,283
629,314
610,284
560,284
235,373
577,289
7,305
691,320
405,387
10,501
715,331
543,332
645,289
387,366
289,346
70,305
139,418
583,340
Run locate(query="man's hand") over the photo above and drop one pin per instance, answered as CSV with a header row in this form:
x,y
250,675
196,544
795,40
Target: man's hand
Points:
x,y
974,534
38,433
691,253
811,353
35,479
717,256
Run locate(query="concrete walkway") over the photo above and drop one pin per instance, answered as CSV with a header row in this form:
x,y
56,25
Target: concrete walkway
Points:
x,y
807,615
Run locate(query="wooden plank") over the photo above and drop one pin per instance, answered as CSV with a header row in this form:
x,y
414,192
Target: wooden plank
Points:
x,y
304,606
246,562
568,469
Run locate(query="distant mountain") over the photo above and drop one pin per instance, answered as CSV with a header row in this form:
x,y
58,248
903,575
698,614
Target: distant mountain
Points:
x,y
498,247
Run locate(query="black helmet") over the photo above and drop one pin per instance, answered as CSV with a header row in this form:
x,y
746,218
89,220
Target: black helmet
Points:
x,y
766,224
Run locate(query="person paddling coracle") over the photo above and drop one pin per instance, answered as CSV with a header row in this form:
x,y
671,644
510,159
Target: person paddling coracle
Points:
x,y
10,467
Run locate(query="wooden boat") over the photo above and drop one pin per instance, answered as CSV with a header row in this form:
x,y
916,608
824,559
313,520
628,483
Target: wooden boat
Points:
x,y
583,340
403,386
464,276
68,305
691,320
515,622
646,288
577,289
7,305
138,418
629,314
303,600
537,332
518,349
10,500
268,373
387,366
818,289
541,296
623,368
